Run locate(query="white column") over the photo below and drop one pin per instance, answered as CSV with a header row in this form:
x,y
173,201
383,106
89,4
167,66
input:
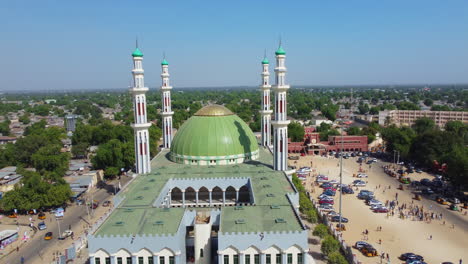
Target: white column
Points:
x,y
134,259
265,111
304,257
156,259
183,198
220,258
166,105
224,197
237,195
196,197
211,199
113,259
241,258
280,125
140,125
91,260
284,257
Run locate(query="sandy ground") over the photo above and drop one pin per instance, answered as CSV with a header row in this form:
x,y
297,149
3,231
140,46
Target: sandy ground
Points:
x,y
449,242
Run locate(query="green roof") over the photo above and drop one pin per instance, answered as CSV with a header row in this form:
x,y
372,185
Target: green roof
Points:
x,y
164,62
136,214
137,53
280,51
210,133
265,61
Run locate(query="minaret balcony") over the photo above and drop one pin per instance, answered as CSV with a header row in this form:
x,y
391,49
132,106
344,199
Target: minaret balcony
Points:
x,y
167,113
140,71
280,88
280,123
265,87
266,112
138,90
141,126
166,88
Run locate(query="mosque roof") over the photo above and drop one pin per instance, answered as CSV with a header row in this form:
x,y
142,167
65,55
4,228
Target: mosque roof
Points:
x,y
265,61
164,62
214,131
136,215
137,53
280,51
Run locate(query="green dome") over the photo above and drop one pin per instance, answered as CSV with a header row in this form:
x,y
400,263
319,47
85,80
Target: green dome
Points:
x,y
215,134
137,53
265,61
164,62
280,51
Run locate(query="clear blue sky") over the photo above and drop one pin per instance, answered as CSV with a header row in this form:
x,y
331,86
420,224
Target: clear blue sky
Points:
x,y
87,44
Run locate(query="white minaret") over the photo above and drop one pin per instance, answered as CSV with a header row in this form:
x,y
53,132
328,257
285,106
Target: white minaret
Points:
x,y
140,127
280,125
265,111
166,105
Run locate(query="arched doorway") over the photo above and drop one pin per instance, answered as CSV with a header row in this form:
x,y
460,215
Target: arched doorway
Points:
x,y
230,195
217,195
176,196
244,195
203,195
190,196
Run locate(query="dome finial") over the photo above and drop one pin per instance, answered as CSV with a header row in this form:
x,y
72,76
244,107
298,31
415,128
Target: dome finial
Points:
x,y
280,50
164,61
265,60
137,52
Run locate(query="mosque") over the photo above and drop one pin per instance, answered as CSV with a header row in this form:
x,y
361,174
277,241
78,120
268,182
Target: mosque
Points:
x,y
213,194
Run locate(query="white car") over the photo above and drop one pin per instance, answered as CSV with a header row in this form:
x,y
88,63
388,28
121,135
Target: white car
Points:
x,y
362,175
322,196
359,183
333,181
326,207
306,169
321,180
374,202
375,207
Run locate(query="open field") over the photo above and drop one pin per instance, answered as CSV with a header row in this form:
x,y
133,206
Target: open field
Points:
x,y
449,241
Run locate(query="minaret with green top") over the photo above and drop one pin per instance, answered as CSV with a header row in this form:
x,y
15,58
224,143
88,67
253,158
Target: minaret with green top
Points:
x,y
166,105
140,125
280,124
265,111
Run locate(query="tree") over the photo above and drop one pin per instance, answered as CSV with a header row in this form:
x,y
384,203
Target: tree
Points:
x,y
114,154
329,245
363,109
457,166
374,110
5,128
25,118
353,131
320,230
155,134
80,150
50,161
312,216
296,132
456,127
336,258
423,125
428,102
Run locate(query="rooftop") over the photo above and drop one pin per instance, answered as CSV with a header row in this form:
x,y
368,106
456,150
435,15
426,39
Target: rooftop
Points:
x,y
272,210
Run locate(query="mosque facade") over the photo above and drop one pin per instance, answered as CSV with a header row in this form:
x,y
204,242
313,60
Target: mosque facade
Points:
x,y
213,194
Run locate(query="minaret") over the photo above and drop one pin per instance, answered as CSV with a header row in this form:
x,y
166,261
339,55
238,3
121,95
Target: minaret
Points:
x,y
140,127
166,105
265,111
280,124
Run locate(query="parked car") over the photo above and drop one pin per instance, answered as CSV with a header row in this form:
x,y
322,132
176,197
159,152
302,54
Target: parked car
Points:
x,y
381,209
337,219
362,175
326,201
41,216
419,171
13,215
325,207
425,182
48,236
329,192
293,157
373,202
106,203
348,190
360,244
365,195
326,184
359,183
42,226
321,196
369,251
410,255
333,213
441,200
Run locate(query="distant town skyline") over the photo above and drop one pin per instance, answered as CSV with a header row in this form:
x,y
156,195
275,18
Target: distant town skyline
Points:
x,y
51,45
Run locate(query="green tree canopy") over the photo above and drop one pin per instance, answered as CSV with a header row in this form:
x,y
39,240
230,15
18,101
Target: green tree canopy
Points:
x,y
296,132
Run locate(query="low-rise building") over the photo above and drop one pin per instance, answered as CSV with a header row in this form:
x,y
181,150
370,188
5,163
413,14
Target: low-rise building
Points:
x,y
408,117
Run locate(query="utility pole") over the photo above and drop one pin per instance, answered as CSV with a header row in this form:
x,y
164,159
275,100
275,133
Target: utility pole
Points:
x,y
394,156
58,224
341,175
398,160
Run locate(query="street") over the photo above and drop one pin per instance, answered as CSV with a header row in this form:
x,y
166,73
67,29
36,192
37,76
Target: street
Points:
x,y
38,250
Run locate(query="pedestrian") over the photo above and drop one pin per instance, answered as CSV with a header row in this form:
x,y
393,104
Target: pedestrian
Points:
x,y
430,237
388,257
17,248
380,241
461,261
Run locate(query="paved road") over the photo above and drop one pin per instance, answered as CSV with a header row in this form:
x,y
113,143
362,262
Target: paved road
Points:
x,y
75,216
